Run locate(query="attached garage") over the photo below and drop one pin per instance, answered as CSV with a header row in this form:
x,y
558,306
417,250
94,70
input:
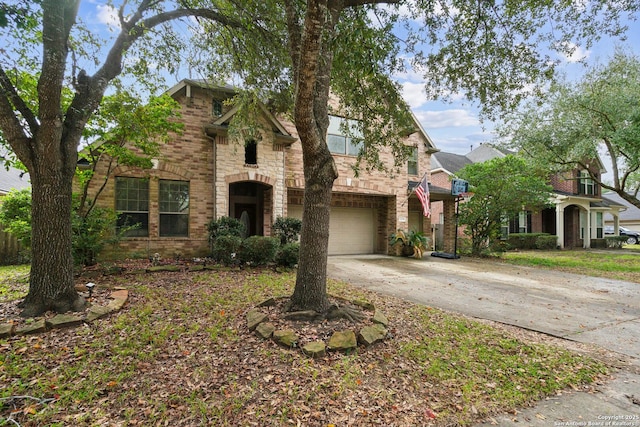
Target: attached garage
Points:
x,y
351,230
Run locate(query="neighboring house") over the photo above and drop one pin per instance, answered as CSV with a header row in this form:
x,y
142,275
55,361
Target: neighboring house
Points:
x,y
577,215
208,172
628,217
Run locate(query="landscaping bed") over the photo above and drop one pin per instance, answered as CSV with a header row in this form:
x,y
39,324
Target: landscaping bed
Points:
x,y
180,354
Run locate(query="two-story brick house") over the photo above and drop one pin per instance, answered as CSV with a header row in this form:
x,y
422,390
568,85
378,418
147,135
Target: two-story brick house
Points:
x,y
209,171
578,208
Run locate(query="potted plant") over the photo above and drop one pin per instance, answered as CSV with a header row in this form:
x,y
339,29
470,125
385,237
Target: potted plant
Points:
x,y
414,243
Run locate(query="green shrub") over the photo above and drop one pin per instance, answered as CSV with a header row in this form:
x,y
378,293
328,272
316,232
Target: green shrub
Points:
x,y
524,240
464,245
225,226
288,255
91,233
15,215
615,242
547,242
225,249
258,250
287,229
499,246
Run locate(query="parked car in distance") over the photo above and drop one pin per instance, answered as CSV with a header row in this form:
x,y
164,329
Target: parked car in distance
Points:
x,y
633,237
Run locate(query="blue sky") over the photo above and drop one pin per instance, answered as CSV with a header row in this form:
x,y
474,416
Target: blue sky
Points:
x,y
454,127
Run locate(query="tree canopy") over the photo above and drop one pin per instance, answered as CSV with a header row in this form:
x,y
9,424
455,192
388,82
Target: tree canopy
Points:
x,y
575,122
502,188
291,53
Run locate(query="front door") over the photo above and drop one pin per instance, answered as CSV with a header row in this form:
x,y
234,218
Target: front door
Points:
x,y
247,214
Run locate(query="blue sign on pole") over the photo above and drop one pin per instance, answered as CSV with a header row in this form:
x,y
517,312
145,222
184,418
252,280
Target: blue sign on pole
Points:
x,y
459,186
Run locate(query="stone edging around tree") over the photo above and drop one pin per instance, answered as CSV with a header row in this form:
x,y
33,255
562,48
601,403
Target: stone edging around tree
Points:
x,y
118,299
346,340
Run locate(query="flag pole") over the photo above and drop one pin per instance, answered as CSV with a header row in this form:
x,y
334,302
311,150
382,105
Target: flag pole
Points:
x,y
414,189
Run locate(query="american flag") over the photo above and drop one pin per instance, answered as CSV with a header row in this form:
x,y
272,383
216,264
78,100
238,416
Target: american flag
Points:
x,y
422,191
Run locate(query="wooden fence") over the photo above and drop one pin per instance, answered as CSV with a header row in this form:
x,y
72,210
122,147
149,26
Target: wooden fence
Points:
x,y
9,247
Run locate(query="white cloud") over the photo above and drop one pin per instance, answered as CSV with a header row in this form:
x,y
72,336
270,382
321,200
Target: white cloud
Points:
x,y
108,15
446,118
571,52
414,94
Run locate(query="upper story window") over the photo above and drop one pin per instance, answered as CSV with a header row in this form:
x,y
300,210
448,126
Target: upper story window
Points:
x,y
174,208
586,184
216,108
132,206
412,163
251,153
338,140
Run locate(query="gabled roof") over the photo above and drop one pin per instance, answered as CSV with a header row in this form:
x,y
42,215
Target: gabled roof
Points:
x,y
631,213
200,83
452,163
448,162
13,179
431,147
486,152
221,124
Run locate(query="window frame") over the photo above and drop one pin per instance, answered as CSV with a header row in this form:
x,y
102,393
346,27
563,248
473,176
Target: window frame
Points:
x,y
339,142
166,211
599,225
251,153
216,108
586,185
412,162
126,212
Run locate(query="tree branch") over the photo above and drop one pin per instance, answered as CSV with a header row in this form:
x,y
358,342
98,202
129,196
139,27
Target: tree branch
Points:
x,y
88,96
13,130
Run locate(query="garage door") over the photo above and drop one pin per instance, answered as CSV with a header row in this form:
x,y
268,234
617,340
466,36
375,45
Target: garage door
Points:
x,y
351,230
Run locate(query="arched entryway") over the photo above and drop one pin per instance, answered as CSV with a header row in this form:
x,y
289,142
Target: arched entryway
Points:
x,y
252,203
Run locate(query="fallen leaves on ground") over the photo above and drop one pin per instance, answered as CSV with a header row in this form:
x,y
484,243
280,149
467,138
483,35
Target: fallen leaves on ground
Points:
x,y
179,354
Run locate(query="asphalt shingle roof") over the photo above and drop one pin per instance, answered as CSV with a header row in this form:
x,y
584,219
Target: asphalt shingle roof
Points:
x,y
13,179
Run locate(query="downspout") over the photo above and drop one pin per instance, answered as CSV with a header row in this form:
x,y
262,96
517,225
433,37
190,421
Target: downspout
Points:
x,y
213,171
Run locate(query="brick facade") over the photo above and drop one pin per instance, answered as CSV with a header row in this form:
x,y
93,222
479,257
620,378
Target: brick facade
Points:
x,y
221,182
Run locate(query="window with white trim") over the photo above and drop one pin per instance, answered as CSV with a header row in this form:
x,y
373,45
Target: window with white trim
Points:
x,y
599,226
587,185
337,139
174,208
522,222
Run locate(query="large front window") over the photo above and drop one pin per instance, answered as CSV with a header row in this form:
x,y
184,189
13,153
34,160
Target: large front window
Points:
x,y
344,137
174,208
132,206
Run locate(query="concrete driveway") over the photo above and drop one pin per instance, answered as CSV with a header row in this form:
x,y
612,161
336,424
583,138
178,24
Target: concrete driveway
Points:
x,y
580,308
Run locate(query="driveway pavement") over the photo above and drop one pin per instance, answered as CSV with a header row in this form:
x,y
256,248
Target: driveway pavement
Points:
x,y
580,308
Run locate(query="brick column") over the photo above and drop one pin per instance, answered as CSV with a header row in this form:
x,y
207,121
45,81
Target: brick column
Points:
x,y
449,210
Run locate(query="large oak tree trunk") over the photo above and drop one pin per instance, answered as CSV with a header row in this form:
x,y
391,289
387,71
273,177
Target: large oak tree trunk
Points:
x,y
51,287
311,281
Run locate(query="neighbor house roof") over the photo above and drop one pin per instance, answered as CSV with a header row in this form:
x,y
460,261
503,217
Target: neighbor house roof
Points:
x,y
448,162
13,179
632,213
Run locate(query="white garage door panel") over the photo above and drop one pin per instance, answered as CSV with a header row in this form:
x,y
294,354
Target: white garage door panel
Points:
x,y
351,230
